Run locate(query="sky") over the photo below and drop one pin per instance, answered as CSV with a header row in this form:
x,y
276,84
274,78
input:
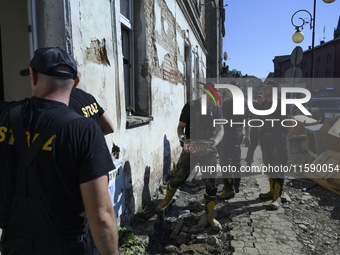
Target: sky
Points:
x,y
259,30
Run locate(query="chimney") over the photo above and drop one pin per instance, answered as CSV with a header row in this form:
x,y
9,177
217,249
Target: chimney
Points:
x,y
322,42
309,47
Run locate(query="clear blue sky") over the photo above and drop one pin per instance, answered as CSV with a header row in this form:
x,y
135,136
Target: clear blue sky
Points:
x,y
259,30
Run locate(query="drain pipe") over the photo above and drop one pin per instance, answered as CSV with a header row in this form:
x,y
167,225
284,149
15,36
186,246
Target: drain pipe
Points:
x,y
32,26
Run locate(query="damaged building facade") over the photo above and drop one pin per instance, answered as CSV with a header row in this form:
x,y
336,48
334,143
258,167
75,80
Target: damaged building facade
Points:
x,y
163,42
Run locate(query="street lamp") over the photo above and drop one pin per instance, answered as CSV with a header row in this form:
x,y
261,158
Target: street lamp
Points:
x,y
299,36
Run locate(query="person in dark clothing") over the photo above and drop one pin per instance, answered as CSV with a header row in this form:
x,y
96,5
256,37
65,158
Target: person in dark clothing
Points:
x,y
274,144
254,131
54,177
193,125
230,145
85,104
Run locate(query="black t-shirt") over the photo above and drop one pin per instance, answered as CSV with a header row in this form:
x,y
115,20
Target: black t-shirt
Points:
x,y
77,154
227,109
255,118
199,126
85,104
275,126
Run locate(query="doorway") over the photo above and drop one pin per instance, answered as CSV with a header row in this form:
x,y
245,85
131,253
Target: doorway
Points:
x,y
14,50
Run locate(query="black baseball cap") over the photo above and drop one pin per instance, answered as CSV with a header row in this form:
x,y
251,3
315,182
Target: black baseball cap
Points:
x,y
46,59
269,83
259,94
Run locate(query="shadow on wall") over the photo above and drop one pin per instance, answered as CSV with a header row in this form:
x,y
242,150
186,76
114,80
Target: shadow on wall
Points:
x,y
146,197
127,215
166,159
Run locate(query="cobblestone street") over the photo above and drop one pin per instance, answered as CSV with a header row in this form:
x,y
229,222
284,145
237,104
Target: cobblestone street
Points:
x,y
248,227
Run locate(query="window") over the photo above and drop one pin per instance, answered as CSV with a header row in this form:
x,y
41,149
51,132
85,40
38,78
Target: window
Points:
x,y
125,8
137,89
305,64
328,73
318,61
306,75
126,19
318,74
328,57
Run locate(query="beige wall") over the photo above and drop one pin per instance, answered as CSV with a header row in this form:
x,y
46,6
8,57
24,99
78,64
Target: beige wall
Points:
x,y
15,49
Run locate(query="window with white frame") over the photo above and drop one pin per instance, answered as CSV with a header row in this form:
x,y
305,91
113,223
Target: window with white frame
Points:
x,y
126,20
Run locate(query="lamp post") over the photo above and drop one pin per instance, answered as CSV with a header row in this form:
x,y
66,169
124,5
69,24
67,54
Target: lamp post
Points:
x,y
299,36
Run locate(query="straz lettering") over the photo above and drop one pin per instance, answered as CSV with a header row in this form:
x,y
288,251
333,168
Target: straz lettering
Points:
x,y
4,132
89,110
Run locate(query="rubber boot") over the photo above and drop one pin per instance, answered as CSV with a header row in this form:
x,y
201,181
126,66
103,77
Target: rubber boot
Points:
x,y
275,205
166,201
229,191
270,194
227,194
209,213
237,186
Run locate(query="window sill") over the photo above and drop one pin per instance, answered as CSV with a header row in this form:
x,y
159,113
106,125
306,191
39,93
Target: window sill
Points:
x,y
136,121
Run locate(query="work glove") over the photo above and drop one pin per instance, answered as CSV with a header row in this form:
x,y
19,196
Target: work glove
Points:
x,y
246,142
214,142
183,137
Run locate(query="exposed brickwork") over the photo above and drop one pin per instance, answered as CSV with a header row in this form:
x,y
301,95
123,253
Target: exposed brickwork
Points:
x,y
97,52
168,69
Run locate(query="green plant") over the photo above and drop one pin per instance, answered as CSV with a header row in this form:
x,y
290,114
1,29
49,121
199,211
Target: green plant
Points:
x,y
128,243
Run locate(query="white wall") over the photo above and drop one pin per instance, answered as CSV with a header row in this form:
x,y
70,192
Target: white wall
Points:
x,y
142,147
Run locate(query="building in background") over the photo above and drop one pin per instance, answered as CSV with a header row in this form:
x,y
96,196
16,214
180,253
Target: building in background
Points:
x,y
215,31
164,43
326,64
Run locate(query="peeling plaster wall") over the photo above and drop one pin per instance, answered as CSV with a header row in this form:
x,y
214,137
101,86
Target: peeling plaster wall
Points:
x,y
150,150
93,44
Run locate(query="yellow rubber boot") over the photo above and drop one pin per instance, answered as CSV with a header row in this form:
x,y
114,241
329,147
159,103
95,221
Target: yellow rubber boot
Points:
x,y
227,194
275,205
209,214
270,194
166,201
229,191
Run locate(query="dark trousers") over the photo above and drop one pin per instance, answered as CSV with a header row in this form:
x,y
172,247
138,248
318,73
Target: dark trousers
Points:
x,y
184,166
275,150
230,155
20,244
254,139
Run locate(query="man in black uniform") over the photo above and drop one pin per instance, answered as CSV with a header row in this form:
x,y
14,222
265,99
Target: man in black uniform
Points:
x,y
194,125
230,146
85,104
274,144
254,132
53,179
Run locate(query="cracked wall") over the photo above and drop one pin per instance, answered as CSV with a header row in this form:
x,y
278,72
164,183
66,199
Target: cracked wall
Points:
x,y
148,151
97,52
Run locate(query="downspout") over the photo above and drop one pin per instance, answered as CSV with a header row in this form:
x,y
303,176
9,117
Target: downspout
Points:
x,y
32,26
